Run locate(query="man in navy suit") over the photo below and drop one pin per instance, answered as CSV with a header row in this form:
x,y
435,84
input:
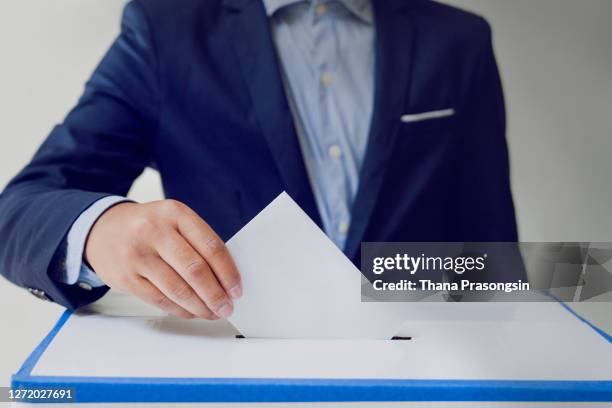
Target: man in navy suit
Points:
x,y
383,119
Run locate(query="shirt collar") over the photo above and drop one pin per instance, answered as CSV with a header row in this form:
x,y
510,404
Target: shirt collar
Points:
x,y
360,8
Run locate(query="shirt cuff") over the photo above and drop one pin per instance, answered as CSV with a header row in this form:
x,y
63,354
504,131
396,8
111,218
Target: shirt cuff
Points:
x,y
75,269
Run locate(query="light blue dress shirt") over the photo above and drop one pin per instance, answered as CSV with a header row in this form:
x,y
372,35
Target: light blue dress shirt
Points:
x,y
326,50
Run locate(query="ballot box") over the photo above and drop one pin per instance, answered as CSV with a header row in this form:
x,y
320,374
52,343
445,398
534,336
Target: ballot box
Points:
x,y
507,352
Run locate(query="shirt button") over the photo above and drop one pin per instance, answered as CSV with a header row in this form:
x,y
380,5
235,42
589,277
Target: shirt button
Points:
x,y
326,79
343,228
335,152
321,9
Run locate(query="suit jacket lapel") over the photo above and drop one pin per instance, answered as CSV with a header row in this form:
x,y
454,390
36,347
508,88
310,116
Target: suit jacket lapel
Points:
x,y
248,28
394,44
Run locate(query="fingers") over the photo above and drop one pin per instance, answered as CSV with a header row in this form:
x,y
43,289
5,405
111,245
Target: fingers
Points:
x,y
208,244
173,286
195,271
166,255
144,290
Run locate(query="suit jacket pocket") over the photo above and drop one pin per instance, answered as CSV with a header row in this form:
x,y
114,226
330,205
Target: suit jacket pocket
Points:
x,y
429,115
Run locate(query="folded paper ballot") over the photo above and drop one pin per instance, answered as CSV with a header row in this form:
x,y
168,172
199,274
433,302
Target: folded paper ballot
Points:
x,y
298,284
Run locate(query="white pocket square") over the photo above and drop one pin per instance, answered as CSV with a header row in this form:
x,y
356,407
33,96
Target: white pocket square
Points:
x,y
437,114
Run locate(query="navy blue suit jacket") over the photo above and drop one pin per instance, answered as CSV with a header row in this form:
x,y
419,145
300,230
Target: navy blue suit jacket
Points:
x,y
193,89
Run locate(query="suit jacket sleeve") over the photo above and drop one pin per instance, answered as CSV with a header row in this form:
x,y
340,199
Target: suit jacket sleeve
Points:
x,y
483,194
102,146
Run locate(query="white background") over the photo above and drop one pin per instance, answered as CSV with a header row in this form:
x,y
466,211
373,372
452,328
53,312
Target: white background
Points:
x,y
556,62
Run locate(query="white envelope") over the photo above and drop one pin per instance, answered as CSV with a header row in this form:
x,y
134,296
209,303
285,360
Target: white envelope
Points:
x,y
298,284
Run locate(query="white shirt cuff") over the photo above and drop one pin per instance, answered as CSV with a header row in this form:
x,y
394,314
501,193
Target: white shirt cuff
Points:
x,y
75,270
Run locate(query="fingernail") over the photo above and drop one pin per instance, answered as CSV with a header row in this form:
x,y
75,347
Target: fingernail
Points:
x,y
235,292
225,310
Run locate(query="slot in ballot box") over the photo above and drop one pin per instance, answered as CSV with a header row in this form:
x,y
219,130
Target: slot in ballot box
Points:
x,y
507,352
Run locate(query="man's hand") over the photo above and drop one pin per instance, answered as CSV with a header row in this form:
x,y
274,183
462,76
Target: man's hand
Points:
x,y
165,254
